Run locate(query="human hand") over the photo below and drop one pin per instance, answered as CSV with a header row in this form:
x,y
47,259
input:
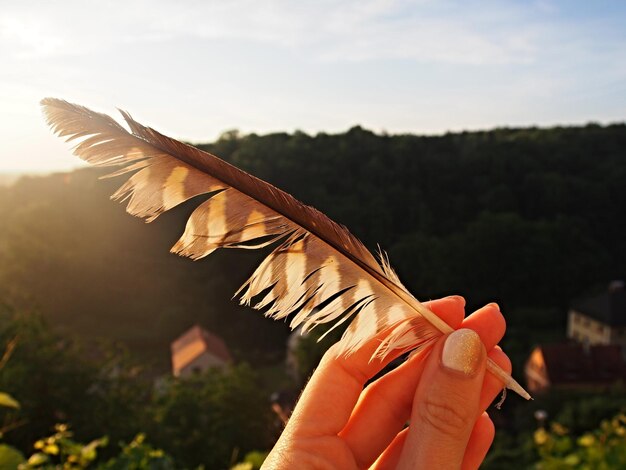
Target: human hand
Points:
x,y
339,425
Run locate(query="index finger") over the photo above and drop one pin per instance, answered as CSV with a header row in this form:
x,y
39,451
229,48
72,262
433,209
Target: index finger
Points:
x,y
337,383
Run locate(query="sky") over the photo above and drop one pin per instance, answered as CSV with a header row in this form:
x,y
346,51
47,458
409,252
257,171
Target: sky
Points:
x,y
193,69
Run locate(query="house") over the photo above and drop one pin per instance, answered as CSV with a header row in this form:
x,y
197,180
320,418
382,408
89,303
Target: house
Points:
x,y
574,365
600,319
197,350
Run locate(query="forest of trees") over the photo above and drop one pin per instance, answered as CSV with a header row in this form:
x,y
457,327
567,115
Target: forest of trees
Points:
x,y
529,218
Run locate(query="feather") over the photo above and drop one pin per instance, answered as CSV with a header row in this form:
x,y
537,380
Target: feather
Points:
x,y
318,272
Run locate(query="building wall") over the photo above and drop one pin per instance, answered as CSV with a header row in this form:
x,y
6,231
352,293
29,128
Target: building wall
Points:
x,y
202,363
536,373
618,336
586,330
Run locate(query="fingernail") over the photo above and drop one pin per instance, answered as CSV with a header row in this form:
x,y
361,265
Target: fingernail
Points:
x,y
494,305
458,298
462,351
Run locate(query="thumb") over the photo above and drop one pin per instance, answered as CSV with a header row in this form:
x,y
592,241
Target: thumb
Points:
x,y
446,403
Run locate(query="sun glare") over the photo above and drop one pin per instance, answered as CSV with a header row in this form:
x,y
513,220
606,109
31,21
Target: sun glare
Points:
x,y
28,37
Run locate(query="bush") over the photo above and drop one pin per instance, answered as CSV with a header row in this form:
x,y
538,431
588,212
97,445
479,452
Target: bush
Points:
x,y
601,449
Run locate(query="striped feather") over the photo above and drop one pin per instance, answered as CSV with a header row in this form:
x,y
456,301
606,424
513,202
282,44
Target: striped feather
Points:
x,y
319,272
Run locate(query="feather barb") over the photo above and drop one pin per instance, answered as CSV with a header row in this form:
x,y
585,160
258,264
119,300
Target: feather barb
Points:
x,y
318,272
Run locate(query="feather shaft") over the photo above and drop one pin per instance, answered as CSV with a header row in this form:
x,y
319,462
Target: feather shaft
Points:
x,y
319,270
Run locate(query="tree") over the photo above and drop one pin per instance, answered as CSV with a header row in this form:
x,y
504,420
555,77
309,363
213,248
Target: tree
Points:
x,y
212,418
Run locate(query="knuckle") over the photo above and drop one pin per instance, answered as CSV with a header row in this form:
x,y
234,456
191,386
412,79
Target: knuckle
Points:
x,y
443,417
396,409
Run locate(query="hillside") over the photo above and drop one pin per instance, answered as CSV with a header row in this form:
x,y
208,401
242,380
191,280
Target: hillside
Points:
x,y
530,218
6,179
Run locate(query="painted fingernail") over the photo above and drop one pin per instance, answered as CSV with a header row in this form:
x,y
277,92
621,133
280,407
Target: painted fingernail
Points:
x,y
462,351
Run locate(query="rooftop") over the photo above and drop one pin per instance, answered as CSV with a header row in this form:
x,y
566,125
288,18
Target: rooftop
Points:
x,y
569,363
608,307
194,342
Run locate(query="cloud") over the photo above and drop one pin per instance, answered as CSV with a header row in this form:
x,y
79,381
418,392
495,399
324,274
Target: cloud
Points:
x,y
348,30
196,67
362,30
426,31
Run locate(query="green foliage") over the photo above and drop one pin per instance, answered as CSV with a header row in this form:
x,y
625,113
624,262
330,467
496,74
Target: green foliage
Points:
x,y
8,401
10,457
47,373
60,451
212,417
252,461
207,419
582,411
494,254
529,217
601,449
510,452
139,455
308,353
310,348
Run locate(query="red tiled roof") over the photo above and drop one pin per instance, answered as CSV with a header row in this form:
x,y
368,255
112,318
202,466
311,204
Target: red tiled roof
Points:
x,y
570,364
194,342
